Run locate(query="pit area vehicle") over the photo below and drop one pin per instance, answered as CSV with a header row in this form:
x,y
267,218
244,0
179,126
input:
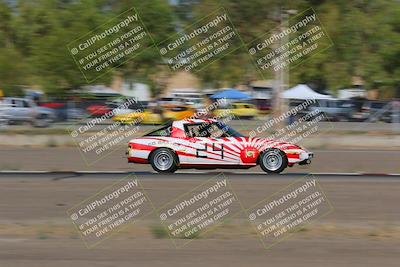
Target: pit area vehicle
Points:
x,y
238,110
169,112
20,110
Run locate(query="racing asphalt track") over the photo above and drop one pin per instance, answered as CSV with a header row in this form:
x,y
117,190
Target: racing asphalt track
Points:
x,y
362,230
69,159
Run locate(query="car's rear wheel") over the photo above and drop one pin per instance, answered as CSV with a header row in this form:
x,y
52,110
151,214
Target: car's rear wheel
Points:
x,y
164,160
273,161
42,121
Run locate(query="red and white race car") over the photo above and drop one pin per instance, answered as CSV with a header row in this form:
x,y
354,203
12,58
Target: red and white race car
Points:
x,y
209,144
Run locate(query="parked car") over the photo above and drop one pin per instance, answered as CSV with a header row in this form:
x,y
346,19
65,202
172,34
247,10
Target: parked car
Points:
x,y
178,112
392,113
238,110
149,116
98,110
263,105
372,111
336,110
64,112
168,101
25,110
3,114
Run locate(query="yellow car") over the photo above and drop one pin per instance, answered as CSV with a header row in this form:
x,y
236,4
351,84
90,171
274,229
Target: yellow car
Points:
x,y
129,118
172,112
178,112
239,110
145,117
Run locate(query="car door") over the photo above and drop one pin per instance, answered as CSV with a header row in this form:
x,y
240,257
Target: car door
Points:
x,y
26,110
210,147
16,112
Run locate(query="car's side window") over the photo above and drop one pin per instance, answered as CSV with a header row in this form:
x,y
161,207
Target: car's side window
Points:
x,y
215,131
197,130
210,130
26,104
165,132
18,103
190,131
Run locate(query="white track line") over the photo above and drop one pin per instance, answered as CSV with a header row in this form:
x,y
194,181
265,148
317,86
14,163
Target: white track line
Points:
x,y
196,172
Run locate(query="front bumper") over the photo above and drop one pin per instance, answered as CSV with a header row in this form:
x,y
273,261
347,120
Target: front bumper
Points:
x,y
306,158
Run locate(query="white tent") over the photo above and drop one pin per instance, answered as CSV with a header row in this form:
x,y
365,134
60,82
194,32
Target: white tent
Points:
x,y
99,90
140,91
302,91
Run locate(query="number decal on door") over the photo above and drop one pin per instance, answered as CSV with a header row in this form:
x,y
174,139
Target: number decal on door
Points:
x,y
205,149
219,149
201,149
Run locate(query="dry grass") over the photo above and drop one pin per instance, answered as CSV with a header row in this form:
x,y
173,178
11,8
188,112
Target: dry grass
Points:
x,y
224,231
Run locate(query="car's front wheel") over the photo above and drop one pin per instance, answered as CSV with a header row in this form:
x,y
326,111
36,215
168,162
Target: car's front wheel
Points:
x,y
273,161
164,160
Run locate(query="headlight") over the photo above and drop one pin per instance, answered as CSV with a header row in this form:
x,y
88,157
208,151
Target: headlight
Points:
x,y
300,147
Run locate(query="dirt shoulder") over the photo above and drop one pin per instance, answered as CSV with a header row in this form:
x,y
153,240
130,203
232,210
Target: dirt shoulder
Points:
x,y
362,230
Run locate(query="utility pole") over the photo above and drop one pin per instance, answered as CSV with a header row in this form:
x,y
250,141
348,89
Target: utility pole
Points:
x,y
282,74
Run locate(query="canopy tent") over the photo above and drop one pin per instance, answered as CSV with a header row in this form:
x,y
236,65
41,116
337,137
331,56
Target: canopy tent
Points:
x,y
303,92
140,91
99,90
231,94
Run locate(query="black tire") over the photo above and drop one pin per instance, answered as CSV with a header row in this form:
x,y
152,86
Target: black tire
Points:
x,y
273,161
248,117
164,160
42,121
